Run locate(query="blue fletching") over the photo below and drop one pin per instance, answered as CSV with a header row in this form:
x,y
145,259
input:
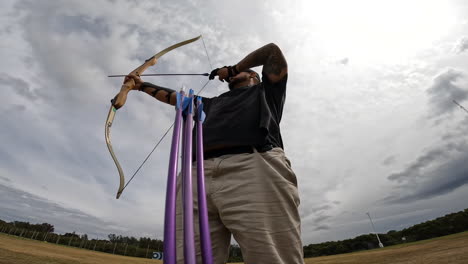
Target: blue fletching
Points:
x,y
187,106
200,113
179,97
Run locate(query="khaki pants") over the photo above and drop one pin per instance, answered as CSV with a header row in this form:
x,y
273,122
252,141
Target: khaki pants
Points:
x,y
254,197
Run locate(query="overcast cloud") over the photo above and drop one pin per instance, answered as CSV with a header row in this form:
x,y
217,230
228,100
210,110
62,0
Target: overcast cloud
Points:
x,y
369,124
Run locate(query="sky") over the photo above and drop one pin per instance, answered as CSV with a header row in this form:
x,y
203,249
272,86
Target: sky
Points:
x,y
369,123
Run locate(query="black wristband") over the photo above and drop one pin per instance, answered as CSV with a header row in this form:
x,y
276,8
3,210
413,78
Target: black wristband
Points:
x,y
234,70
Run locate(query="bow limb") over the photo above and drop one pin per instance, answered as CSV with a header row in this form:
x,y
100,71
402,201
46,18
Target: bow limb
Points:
x,y
120,99
110,119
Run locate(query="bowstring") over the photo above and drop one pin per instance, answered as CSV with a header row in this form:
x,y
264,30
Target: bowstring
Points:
x,y
170,127
206,51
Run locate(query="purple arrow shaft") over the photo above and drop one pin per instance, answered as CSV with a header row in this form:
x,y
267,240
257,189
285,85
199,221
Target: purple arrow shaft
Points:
x,y
170,254
205,239
189,236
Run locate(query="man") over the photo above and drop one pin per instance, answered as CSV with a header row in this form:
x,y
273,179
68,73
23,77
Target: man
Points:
x,y
251,189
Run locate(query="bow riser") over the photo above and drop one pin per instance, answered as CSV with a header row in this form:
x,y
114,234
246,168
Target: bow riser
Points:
x,y
120,99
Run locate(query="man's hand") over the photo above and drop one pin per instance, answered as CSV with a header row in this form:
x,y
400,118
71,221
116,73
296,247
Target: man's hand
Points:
x,y
135,81
225,73
222,74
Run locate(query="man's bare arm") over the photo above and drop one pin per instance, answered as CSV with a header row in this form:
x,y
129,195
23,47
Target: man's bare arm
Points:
x,y
272,59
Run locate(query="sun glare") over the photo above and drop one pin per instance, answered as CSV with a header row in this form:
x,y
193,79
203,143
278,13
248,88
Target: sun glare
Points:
x,y
368,31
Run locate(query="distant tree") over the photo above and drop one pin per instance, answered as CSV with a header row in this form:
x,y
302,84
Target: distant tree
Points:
x,y
74,235
112,238
47,228
235,254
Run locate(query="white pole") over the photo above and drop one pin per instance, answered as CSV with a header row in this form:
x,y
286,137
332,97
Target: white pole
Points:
x,y
373,227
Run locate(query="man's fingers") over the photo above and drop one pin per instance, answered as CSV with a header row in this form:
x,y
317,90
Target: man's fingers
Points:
x,y
129,78
222,73
133,76
134,81
213,73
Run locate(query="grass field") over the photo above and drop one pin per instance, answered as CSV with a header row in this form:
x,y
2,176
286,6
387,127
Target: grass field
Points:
x,y
448,249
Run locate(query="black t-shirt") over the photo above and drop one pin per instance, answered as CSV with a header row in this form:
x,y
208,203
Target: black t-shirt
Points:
x,y
245,116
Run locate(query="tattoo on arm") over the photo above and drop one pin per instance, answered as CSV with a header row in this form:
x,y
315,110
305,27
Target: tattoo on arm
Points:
x,y
272,59
276,63
161,93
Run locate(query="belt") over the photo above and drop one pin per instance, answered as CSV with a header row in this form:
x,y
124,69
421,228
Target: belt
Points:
x,y
235,150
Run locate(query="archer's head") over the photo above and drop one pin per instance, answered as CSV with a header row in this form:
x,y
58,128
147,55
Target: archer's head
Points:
x,y
245,78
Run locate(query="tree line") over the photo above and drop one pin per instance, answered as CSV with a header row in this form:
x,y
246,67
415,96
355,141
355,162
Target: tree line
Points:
x,y
144,246
127,246
446,225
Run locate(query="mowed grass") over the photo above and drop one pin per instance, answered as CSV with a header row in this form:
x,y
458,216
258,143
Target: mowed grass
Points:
x,y
451,249
14,250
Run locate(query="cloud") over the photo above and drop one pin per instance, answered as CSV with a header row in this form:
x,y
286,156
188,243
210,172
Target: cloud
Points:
x,y
461,45
389,161
18,205
445,179
322,227
441,170
344,61
317,218
19,86
416,168
437,172
312,210
456,132
447,86
322,218
5,179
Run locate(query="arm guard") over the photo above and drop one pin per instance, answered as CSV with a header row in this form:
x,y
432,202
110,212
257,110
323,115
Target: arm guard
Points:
x,y
157,89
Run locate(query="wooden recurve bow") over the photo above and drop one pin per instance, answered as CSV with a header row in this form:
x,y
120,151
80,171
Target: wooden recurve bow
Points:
x,y
121,97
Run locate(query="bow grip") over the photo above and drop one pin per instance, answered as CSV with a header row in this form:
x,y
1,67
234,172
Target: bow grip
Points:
x,y
120,99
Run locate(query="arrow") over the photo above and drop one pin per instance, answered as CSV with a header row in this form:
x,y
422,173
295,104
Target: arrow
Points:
x,y
166,74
